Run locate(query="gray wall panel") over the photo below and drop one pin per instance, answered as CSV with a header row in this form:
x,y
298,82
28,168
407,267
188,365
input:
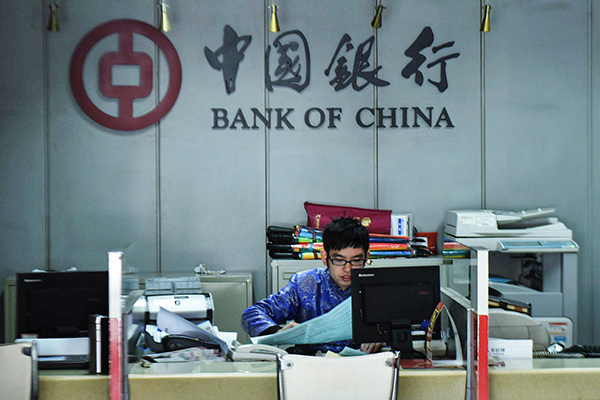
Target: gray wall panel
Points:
x,y
22,233
427,170
212,180
22,183
102,182
592,271
528,98
332,166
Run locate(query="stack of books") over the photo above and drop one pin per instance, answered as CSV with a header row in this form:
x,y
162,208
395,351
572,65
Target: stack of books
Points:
x,y
453,249
298,243
304,243
388,246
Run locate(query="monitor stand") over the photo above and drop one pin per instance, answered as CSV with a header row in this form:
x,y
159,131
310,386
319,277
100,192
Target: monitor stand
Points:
x,y
402,338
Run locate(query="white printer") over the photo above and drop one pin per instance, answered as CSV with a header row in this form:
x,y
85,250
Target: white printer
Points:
x,y
510,231
182,296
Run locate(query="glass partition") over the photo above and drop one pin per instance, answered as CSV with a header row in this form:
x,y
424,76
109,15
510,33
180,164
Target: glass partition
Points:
x,y
126,321
465,295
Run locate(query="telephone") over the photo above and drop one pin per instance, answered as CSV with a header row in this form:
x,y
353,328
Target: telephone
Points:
x,y
254,352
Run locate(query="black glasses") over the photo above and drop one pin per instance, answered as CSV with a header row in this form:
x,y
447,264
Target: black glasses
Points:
x,y
340,262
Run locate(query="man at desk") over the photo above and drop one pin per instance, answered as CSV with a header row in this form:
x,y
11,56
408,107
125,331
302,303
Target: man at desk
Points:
x,y
312,293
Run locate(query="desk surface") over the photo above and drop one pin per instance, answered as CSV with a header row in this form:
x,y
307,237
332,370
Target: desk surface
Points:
x,y
536,364
548,379
226,381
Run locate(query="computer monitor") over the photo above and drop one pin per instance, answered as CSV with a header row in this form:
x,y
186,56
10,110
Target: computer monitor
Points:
x,y
394,305
59,304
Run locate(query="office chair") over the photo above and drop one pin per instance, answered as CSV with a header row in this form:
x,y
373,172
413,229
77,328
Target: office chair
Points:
x,y
19,371
372,376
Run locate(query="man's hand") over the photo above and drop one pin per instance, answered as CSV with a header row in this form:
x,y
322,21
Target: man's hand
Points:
x,y
371,347
276,328
290,325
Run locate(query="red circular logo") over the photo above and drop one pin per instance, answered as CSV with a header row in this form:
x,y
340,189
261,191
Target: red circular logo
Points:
x,y
125,55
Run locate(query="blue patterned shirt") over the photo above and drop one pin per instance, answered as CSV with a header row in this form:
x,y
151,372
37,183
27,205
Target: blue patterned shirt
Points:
x,y
308,294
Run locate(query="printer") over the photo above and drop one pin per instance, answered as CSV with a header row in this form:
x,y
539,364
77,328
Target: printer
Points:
x,y
510,231
182,296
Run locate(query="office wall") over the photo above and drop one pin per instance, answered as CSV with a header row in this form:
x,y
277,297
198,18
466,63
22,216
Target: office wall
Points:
x,y
517,131
22,147
428,171
537,132
592,272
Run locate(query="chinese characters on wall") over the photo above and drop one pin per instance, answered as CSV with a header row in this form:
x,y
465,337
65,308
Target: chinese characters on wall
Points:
x,y
288,65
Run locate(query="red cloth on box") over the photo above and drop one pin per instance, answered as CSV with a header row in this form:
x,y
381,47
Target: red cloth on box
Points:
x,y
376,221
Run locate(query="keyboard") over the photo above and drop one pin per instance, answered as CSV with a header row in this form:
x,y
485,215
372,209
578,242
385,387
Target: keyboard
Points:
x,y
554,354
587,350
74,361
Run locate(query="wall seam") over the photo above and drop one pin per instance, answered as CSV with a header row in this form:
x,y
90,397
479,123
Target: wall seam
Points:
x,y
482,107
375,126
47,146
267,143
157,152
590,127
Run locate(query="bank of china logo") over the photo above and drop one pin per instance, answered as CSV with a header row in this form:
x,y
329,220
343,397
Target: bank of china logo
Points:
x,y
126,56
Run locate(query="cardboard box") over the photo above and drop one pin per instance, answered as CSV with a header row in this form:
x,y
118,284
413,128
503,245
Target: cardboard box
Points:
x,y
510,349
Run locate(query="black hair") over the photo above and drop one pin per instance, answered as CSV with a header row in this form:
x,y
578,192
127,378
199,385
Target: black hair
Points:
x,y
345,232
